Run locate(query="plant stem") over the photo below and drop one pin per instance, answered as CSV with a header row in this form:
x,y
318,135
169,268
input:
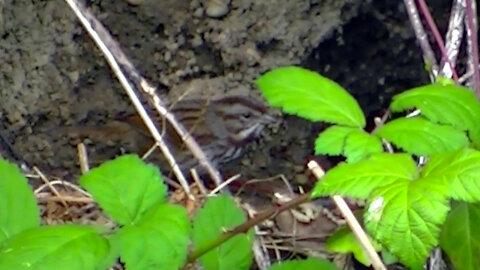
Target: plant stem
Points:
x,y
244,227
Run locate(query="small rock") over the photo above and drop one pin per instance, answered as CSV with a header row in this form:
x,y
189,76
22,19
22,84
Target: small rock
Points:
x,y
217,8
134,2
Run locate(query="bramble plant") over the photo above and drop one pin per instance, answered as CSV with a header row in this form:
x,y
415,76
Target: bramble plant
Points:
x,y
150,233
408,204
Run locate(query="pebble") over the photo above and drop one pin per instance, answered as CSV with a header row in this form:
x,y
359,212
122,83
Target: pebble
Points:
x,y
134,2
217,8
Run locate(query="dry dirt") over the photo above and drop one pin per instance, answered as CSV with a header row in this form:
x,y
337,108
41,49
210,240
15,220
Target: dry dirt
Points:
x,y
52,75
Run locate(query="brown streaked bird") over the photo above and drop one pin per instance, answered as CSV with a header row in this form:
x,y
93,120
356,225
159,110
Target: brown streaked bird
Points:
x,y
222,127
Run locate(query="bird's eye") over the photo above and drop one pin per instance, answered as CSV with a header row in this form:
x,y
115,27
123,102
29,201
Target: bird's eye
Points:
x,y
246,115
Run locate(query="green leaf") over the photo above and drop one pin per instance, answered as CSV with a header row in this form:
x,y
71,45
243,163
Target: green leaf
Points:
x,y
217,215
446,104
308,264
70,247
422,137
360,145
405,216
125,188
360,179
18,207
343,241
158,241
460,170
306,94
332,140
462,225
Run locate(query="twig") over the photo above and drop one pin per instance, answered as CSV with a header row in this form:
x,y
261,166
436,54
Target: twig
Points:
x,y
453,37
82,15
224,184
52,188
352,222
243,228
199,183
83,158
65,198
428,55
436,35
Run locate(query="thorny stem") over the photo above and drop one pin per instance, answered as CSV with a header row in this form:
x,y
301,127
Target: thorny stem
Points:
x,y
436,34
244,227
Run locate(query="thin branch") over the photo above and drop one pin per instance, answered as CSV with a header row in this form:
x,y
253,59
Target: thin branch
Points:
x,y
244,227
454,37
436,35
352,222
428,55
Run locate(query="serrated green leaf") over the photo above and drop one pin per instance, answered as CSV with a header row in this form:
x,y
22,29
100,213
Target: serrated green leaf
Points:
x,y
70,247
360,179
18,207
158,241
460,170
405,216
125,188
446,104
421,137
462,224
343,241
217,215
332,140
305,93
360,145
308,264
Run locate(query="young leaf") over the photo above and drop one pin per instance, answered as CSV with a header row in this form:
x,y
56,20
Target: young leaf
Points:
x,y
217,215
158,241
332,140
343,241
360,179
70,247
125,188
460,170
311,96
446,104
360,145
308,264
422,137
405,216
462,223
18,207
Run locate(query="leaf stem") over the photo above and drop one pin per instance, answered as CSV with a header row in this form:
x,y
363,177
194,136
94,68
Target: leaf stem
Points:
x,y
244,227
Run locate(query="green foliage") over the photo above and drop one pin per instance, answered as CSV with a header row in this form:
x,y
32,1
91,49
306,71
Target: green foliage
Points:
x,y
332,140
459,170
125,188
430,138
445,104
305,93
146,245
359,180
217,215
406,205
462,224
360,145
343,241
308,264
153,233
54,247
353,143
18,208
